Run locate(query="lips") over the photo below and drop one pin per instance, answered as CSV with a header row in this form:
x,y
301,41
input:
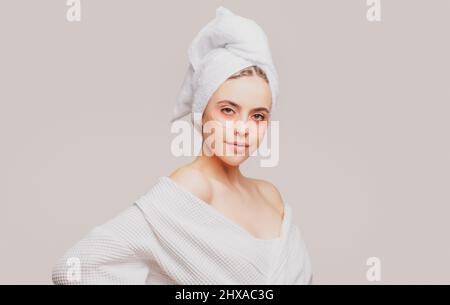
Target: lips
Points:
x,y
235,143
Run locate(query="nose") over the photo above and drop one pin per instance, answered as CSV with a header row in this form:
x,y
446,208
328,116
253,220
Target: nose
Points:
x,y
241,128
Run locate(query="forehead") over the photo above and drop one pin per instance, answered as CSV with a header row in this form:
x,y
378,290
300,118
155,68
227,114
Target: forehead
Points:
x,y
246,91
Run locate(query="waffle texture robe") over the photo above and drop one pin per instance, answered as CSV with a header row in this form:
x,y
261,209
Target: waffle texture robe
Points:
x,y
170,236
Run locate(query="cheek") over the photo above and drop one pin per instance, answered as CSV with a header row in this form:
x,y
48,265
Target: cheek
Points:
x,y
257,131
262,128
215,118
223,120
212,131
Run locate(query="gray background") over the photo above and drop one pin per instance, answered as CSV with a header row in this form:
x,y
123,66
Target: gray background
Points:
x,y
364,156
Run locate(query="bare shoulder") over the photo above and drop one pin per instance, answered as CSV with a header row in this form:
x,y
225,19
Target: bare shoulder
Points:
x,y
271,193
193,181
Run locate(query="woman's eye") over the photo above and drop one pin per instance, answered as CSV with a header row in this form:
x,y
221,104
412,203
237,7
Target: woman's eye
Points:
x,y
227,110
259,117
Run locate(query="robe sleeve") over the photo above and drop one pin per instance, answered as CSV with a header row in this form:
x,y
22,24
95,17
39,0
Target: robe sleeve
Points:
x,y
104,256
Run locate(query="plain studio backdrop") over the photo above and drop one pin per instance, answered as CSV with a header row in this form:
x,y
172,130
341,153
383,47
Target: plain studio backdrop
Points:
x,y
364,147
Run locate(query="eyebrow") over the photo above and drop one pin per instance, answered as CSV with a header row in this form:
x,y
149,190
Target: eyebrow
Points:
x,y
238,106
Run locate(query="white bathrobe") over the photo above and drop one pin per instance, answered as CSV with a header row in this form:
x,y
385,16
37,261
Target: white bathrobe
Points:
x,y
170,236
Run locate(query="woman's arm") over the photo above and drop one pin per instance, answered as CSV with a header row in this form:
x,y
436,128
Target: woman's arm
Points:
x,y
106,255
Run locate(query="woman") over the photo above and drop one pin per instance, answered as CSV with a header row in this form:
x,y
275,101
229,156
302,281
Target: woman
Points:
x,y
206,223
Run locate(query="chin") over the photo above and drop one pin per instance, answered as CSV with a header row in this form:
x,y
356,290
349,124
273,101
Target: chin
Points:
x,y
233,160
236,158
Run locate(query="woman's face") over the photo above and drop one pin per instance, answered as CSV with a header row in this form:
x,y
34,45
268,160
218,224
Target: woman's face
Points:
x,y
236,117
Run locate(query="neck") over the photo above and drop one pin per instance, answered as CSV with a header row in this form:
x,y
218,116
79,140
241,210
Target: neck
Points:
x,y
218,170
